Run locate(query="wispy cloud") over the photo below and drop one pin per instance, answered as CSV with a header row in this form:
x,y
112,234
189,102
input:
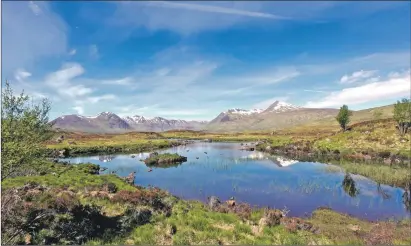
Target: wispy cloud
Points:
x,y
20,74
357,76
72,52
27,38
122,81
34,8
94,52
317,91
79,109
215,9
391,87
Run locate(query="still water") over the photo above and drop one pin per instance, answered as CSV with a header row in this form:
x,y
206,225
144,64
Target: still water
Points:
x,y
223,170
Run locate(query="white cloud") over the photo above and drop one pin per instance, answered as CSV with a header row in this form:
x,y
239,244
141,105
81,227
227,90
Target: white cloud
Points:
x,y
317,91
356,76
266,103
79,109
123,81
214,9
20,74
72,52
188,18
101,98
176,112
93,51
34,8
391,87
28,38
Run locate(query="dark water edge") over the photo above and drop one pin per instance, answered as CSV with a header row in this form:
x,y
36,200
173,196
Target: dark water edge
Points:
x,y
261,180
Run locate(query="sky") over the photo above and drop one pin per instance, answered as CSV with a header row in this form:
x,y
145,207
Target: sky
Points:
x,y
193,60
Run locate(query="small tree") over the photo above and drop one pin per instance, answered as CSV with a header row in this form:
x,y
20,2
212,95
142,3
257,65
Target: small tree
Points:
x,y
402,115
377,114
24,128
343,117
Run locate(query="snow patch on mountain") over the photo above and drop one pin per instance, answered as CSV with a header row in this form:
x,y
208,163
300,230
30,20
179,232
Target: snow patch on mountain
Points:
x,y
278,107
244,111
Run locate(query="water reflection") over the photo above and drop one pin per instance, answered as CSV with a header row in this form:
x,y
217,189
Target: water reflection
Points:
x,y
106,158
349,186
262,180
406,198
284,162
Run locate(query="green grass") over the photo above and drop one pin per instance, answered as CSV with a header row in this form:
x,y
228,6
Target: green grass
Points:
x,y
164,159
72,176
397,176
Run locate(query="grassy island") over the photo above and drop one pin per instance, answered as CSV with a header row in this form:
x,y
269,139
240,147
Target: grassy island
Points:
x,y
164,159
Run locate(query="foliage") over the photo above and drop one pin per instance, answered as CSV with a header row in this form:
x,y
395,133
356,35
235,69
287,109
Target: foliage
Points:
x,y
402,115
24,127
46,215
155,158
377,114
343,117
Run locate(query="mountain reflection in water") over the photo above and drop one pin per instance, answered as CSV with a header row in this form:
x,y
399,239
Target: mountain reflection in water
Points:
x,y
261,180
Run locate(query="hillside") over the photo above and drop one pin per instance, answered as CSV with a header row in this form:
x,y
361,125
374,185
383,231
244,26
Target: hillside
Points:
x,y
108,122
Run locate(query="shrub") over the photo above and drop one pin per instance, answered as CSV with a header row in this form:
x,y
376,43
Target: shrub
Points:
x,y
133,217
24,128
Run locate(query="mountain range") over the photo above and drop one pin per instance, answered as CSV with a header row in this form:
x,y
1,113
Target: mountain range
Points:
x,y
277,115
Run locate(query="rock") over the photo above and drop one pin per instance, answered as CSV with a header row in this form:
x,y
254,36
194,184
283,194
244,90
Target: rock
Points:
x,y
27,239
268,148
231,202
133,156
263,222
213,202
354,228
387,161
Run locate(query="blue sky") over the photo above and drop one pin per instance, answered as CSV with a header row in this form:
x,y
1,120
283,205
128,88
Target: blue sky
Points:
x,y
192,60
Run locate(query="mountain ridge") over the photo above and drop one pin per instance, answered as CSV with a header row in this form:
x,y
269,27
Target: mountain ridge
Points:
x,y
278,115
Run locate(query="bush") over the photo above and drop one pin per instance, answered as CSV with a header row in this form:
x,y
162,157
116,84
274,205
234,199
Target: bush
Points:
x,y
24,129
133,217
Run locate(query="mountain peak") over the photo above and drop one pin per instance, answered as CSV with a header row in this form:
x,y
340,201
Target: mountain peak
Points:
x,y
279,106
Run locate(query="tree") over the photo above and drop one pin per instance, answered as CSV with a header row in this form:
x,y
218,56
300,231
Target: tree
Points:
x,y
402,115
343,117
24,128
377,114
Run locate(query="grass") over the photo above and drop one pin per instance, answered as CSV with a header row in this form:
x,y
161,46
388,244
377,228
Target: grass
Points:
x,y
195,224
163,159
191,222
397,176
84,143
75,177
377,136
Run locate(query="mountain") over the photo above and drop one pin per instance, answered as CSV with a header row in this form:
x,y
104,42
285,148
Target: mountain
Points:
x,y
108,122
235,114
278,107
277,115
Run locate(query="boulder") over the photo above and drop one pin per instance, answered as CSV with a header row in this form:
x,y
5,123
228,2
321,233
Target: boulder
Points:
x,y
231,202
213,202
